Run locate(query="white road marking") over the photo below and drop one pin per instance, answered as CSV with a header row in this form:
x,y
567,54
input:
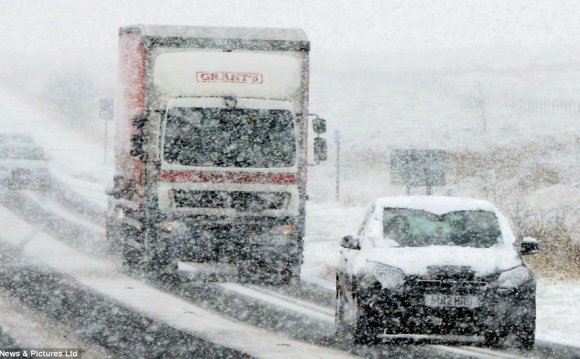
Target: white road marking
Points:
x,y
466,351
279,300
498,354
55,208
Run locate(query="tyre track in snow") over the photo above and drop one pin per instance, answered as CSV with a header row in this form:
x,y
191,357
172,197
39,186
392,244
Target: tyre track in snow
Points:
x,y
124,333
35,209
70,199
259,308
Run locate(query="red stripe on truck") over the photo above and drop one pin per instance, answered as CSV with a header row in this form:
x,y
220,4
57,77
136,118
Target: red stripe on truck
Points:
x,y
229,177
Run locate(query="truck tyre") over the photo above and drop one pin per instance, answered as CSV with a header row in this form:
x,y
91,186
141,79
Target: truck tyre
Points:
x,y
131,258
493,338
246,271
289,274
162,262
112,235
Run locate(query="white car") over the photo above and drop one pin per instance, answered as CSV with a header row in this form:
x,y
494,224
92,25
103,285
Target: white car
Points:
x,y
435,266
24,167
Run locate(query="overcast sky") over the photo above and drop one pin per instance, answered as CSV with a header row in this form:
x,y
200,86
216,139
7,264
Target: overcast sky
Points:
x,y
44,25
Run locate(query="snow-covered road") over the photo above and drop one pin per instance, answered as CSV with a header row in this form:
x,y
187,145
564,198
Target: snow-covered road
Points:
x,y
290,313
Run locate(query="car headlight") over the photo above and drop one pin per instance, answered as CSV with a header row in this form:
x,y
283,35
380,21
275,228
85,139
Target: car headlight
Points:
x,y
514,278
167,226
285,230
174,227
389,277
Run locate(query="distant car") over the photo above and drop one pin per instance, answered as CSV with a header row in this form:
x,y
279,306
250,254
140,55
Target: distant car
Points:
x,y
435,266
24,167
11,139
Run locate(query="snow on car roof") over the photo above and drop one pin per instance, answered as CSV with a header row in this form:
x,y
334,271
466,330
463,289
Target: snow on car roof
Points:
x,y
435,204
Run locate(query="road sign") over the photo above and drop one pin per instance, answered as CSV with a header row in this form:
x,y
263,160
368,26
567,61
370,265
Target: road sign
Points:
x,y
106,109
418,168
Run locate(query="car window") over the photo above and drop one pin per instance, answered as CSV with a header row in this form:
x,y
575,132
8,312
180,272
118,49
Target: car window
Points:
x,y
417,228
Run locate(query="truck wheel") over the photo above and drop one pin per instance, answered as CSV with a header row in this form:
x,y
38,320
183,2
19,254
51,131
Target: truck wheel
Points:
x,y
113,238
493,338
247,272
168,274
132,257
163,264
289,274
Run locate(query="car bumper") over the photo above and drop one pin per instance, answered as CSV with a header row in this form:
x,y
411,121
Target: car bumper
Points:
x,y
406,311
198,239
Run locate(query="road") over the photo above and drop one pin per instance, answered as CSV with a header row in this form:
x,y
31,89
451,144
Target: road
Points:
x,y
56,272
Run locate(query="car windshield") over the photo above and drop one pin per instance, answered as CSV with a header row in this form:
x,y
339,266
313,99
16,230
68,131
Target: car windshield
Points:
x,y
218,137
417,228
21,153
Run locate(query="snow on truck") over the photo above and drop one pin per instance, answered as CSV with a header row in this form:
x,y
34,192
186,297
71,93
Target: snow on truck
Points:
x,y
211,145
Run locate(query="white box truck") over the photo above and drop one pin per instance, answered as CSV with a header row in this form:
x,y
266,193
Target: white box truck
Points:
x,y
211,132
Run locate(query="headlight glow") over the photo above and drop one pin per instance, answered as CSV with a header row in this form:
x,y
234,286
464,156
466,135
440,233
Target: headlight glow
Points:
x,y
167,226
389,277
514,278
287,229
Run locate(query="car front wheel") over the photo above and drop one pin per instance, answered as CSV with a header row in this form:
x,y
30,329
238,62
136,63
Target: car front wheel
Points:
x,y
526,331
365,331
341,327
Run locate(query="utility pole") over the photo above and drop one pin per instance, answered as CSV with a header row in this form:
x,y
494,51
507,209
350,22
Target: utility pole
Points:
x,y
337,141
106,114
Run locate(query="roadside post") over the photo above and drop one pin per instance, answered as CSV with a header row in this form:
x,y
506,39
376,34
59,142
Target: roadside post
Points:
x,y
106,114
337,141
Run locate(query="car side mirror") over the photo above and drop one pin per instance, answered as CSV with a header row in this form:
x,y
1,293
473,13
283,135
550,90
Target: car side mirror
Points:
x,y
350,242
529,246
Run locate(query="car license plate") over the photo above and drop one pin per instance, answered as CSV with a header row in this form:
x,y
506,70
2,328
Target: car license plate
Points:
x,y
455,301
